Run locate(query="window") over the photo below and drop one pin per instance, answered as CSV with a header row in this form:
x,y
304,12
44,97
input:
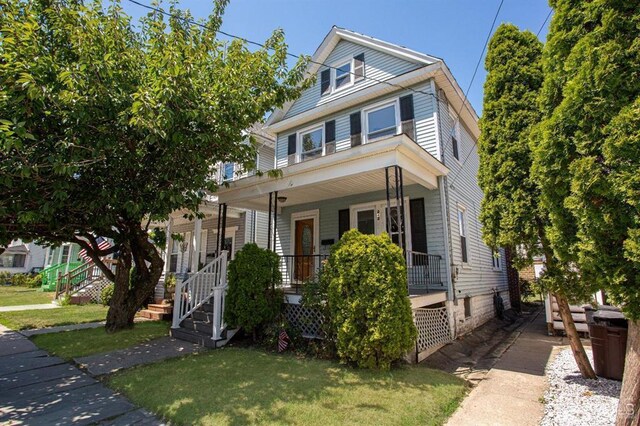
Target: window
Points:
x,y
343,76
395,232
381,122
366,221
455,133
13,260
173,257
64,256
311,142
462,224
454,146
467,307
49,256
495,259
228,170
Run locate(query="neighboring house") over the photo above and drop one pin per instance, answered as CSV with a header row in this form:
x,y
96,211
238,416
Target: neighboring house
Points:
x,y
383,141
200,236
19,257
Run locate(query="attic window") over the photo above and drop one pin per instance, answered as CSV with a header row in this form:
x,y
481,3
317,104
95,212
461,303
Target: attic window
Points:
x,y
343,75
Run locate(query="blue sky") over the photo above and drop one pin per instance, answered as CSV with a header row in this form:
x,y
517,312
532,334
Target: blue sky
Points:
x,y
454,30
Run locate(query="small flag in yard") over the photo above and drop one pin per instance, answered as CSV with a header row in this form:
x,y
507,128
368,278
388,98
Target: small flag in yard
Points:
x,y
103,244
283,341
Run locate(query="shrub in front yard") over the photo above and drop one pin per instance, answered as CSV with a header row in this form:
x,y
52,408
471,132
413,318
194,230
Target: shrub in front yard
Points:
x,y
106,294
368,301
253,299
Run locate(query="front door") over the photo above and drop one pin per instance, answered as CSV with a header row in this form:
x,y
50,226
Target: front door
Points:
x,y
304,249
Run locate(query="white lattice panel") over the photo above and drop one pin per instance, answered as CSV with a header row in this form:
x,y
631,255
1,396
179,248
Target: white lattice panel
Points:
x,y
94,290
307,321
433,327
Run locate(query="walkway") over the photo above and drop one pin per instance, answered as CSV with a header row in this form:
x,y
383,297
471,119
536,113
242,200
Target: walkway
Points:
x,y
39,389
28,307
511,391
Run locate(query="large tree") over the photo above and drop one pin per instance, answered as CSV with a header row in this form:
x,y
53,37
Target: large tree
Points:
x,y
588,161
107,124
511,214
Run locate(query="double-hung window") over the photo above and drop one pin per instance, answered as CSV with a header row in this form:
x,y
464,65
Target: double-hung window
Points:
x,y
343,76
311,142
227,172
381,121
462,225
495,259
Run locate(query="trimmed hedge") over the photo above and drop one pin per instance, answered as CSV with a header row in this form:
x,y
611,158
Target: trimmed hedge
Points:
x,y
253,298
367,298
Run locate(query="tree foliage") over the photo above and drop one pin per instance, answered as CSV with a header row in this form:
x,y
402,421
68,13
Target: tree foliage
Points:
x,y
253,299
105,126
510,212
368,300
586,158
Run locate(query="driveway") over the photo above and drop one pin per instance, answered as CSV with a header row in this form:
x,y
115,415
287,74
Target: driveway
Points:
x,y
38,389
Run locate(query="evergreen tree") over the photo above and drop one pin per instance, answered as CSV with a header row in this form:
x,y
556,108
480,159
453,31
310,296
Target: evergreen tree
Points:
x,y
511,214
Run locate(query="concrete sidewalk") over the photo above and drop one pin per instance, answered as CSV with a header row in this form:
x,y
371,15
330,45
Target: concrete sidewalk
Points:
x,y
28,307
511,391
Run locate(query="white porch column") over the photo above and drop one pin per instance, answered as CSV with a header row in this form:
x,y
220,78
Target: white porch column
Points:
x,y
167,250
196,242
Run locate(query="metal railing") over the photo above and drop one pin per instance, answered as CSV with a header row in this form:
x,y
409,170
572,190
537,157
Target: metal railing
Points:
x,y
208,283
298,269
423,270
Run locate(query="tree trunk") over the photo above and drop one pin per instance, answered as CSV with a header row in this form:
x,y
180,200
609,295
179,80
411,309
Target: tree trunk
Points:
x,y
574,338
629,405
132,289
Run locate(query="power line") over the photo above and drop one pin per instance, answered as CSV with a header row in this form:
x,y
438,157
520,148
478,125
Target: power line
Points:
x,y
544,23
484,48
293,55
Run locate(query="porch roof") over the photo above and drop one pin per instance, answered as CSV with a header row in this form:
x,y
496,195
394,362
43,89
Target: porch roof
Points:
x,y
352,171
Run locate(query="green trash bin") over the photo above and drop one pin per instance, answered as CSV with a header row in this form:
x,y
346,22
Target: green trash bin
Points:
x,y
608,333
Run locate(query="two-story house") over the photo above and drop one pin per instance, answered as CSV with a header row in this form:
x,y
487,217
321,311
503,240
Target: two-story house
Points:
x,y
384,141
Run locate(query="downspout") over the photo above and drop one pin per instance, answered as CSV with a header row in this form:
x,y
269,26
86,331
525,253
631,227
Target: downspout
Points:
x,y
444,201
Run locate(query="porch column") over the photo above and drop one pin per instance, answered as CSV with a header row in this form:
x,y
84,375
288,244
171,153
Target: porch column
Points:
x,y
395,190
222,225
269,222
167,251
196,245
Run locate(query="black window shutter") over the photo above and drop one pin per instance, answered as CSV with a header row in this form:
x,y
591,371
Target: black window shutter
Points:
x,y
407,116
356,129
418,225
291,149
343,222
325,81
358,66
330,131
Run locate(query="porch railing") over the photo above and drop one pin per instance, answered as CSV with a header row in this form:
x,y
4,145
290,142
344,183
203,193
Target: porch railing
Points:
x,y
208,284
423,270
78,278
298,269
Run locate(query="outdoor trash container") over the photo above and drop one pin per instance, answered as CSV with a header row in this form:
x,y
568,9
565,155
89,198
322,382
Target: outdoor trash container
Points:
x,y
608,333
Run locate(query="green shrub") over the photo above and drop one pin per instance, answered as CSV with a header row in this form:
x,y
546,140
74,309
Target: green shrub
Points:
x,y
368,300
253,299
314,297
170,286
20,280
34,281
106,294
5,278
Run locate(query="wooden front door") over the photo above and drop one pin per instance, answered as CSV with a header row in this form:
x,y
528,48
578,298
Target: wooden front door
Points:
x,y
304,249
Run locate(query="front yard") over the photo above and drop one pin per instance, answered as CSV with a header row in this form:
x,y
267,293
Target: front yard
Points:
x,y
77,343
74,314
244,386
15,296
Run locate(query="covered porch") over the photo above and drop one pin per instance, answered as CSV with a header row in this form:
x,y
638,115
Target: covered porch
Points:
x,y
390,186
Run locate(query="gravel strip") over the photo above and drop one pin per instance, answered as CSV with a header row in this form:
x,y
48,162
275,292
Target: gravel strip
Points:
x,y
572,400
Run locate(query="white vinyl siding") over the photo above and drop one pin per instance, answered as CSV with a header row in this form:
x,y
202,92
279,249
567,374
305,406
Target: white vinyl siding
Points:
x,y
378,66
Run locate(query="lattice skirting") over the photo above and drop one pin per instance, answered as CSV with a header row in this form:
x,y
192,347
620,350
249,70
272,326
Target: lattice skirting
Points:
x,y
433,327
94,290
307,321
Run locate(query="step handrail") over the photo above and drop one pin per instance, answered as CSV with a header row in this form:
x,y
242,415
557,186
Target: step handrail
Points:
x,y
209,282
80,277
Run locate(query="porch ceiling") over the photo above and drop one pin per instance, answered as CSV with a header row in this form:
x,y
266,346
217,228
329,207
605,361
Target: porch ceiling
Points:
x,y
353,171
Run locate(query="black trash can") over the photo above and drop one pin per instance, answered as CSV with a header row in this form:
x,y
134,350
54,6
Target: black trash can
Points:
x,y
608,333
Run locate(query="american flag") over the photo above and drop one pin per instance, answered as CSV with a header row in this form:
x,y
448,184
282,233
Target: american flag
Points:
x,y
283,341
103,244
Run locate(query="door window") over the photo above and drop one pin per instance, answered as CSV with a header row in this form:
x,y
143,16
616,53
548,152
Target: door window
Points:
x,y
366,221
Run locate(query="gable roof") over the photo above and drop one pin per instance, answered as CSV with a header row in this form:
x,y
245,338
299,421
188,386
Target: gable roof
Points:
x,y
432,66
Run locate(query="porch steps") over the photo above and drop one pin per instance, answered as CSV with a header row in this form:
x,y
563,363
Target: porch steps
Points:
x,y
157,311
198,328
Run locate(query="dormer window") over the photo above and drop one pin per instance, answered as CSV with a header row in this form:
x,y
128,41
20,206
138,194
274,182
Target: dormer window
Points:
x,y
343,76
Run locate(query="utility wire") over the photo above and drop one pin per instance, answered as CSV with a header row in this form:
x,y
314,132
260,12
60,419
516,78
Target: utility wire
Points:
x,y
544,23
484,48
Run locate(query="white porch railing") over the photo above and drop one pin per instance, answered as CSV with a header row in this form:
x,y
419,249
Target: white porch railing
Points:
x,y
208,283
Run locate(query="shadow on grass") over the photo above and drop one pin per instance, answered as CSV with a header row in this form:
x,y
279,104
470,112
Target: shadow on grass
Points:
x,y
241,386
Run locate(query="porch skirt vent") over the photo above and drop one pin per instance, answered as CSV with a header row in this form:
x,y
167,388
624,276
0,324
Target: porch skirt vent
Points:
x,y
433,327
307,321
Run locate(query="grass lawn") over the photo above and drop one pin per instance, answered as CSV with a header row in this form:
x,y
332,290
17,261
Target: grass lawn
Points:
x,y
244,386
73,314
14,296
77,343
